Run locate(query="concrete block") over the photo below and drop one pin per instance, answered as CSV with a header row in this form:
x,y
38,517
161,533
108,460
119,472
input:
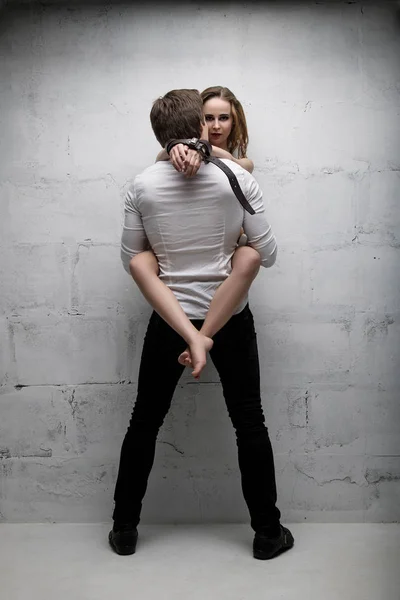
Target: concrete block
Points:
x,y
37,422
34,276
382,423
62,130
47,211
363,276
274,290
376,351
322,486
100,283
289,75
56,490
335,421
101,415
285,416
308,209
7,358
297,352
73,349
319,418
352,131
327,418
379,48
383,476
378,215
63,421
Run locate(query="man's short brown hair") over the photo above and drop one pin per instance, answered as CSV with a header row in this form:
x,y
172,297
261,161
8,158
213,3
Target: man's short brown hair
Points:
x,y
178,114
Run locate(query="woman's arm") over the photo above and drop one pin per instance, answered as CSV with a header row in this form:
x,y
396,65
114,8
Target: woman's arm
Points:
x,y
193,160
245,163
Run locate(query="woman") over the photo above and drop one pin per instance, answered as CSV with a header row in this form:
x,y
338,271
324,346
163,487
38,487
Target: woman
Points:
x,y
225,127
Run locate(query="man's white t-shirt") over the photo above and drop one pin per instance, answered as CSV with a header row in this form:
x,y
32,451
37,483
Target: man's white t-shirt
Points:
x,y
192,226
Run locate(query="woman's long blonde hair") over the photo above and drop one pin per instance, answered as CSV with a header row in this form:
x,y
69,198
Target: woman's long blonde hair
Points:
x,y
238,137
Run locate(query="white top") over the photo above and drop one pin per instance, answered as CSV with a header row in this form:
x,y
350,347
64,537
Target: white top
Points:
x,y
192,226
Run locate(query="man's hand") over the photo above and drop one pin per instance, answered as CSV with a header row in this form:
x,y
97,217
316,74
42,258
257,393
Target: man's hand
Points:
x,y
185,160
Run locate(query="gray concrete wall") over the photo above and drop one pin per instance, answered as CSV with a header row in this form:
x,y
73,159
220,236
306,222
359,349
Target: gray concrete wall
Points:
x,y
320,86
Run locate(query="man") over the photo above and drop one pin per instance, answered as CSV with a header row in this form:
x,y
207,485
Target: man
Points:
x,y
192,226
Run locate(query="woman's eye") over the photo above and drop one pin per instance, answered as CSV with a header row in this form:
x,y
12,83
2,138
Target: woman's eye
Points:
x,y
209,118
223,118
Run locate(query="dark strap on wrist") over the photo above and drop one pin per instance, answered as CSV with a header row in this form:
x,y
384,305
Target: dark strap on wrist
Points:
x,y
204,148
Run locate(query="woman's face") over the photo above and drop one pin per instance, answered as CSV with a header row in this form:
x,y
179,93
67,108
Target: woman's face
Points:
x,y
218,116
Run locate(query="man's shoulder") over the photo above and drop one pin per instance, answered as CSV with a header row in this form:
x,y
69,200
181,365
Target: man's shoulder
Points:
x,y
160,166
141,180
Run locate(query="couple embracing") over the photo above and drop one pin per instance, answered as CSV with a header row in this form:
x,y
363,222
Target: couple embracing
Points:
x,y
194,250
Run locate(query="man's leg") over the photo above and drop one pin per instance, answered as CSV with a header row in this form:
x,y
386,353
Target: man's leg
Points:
x,y
158,376
235,356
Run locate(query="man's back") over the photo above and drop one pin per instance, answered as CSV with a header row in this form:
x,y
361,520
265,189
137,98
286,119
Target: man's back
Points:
x,y
192,226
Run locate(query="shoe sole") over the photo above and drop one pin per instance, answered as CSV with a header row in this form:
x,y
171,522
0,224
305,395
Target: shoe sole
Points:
x,y
124,551
287,543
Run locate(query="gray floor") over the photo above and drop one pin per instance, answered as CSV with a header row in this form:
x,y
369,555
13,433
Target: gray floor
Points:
x,y
210,562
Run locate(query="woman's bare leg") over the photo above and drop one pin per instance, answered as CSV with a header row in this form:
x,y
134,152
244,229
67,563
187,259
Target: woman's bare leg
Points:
x,y
246,263
144,270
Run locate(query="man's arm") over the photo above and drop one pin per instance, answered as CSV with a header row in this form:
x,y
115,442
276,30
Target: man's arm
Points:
x,y
134,239
259,232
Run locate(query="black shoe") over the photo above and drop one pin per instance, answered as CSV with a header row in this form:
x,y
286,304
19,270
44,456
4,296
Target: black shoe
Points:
x,y
265,547
123,538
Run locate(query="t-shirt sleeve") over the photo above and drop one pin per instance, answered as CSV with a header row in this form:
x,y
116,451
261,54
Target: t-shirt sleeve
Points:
x,y
134,239
259,232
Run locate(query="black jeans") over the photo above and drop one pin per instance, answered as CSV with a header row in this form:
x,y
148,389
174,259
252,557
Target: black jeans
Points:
x,y
235,357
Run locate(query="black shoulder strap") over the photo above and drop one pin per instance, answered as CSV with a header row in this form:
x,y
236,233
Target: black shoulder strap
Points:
x,y
204,148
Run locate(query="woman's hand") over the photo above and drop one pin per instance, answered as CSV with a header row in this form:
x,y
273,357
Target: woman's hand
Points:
x,y
185,160
192,163
178,156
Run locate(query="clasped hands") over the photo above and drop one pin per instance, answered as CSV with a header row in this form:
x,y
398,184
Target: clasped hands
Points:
x,y
185,160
